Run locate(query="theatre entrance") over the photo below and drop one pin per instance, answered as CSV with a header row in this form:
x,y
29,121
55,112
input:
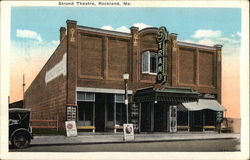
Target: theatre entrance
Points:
x,y
158,107
154,117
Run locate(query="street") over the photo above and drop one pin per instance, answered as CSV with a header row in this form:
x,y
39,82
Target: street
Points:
x,y
172,146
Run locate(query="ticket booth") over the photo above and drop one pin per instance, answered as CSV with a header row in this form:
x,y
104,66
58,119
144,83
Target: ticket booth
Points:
x,y
158,108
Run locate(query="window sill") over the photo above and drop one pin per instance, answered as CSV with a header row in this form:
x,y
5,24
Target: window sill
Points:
x,y
153,74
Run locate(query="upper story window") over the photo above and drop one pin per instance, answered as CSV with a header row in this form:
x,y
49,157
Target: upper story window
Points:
x,y
149,62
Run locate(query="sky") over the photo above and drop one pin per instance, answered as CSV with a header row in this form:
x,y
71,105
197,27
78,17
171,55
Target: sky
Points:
x,y
35,35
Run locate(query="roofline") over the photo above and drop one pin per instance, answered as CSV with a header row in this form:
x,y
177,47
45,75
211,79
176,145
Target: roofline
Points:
x,y
148,29
196,45
104,31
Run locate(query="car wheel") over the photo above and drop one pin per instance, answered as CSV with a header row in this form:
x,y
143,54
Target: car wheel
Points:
x,y
21,140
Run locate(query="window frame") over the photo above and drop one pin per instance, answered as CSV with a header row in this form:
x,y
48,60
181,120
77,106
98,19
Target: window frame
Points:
x,y
148,56
84,94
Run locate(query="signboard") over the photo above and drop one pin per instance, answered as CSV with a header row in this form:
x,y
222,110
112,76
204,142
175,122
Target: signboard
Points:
x,y
71,113
219,116
128,132
135,117
57,70
162,37
71,128
172,125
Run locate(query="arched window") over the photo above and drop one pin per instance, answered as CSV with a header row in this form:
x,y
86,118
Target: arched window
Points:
x,y
149,62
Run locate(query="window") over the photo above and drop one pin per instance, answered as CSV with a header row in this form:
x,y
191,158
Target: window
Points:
x,y
119,98
120,113
120,109
85,101
116,101
85,111
149,62
85,96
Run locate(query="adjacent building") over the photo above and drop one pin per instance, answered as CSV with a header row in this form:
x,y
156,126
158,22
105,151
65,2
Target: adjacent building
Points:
x,y
170,85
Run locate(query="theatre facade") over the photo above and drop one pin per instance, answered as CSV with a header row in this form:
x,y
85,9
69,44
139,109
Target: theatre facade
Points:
x,y
102,79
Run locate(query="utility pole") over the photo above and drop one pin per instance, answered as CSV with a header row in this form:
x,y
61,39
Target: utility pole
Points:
x,y
23,89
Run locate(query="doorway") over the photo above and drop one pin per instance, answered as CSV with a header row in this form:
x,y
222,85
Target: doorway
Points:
x,y
100,103
196,121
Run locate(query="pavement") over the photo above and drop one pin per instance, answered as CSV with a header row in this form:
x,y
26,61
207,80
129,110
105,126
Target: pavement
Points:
x,y
103,138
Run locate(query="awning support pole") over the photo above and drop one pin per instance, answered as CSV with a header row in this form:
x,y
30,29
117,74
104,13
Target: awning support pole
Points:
x,y
152,116
139,117
188,122
114,117
203,120
94,116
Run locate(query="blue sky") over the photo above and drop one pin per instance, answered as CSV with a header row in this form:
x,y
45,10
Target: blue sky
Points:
x,y
46,21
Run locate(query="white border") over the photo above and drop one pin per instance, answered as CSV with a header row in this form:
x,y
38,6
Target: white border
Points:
x,y
244,84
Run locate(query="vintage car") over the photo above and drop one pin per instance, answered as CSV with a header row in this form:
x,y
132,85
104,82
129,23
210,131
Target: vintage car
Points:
x,y
20,131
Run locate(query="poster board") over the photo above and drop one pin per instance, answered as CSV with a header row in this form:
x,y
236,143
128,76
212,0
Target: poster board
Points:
x,y
71,128
128,132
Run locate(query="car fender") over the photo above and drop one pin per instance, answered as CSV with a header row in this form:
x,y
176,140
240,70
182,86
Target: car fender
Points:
x,y
21,130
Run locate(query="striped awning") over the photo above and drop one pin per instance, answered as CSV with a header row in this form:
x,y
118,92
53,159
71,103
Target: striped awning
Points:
x,y
203,104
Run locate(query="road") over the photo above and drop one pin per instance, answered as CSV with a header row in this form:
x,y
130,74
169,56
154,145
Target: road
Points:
x,y
174,146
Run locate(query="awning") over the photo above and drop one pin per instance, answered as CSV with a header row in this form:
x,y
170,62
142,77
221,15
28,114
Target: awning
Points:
x,y
181,108
172,95
203,104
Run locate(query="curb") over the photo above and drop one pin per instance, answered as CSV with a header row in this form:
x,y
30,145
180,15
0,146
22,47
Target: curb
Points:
x,y
141,141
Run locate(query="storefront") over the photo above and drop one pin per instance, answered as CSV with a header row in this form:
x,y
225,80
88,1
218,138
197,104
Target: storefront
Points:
x,y
100,110
206,114
158,107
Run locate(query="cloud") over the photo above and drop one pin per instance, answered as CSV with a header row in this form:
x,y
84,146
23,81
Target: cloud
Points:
x,y
107,27
201,33
141,25
124,28
28,34
56,42
231,44
119,29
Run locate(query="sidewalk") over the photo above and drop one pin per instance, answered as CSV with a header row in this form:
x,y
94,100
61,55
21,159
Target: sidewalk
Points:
x,y
88,138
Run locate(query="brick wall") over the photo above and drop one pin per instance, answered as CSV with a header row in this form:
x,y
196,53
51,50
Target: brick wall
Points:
x,y
198,67
47,100
103,58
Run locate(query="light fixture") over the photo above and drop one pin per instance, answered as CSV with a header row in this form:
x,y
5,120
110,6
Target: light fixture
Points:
x,y
125,76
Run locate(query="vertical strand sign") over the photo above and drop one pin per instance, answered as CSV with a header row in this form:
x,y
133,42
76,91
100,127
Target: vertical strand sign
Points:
x,y
162,38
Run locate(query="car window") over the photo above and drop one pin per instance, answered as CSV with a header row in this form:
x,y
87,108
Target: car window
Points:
x,y
14,118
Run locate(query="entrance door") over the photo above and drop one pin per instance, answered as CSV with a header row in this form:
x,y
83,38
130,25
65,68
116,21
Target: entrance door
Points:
x,y
196,121
145,117
100,103
159,117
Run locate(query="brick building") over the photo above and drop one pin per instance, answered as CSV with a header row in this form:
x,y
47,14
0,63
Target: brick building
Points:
x,y
172,85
